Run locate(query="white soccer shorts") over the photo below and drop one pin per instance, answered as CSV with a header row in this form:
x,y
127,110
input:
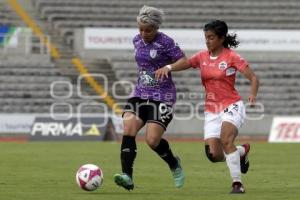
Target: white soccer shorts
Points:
x,y
234,113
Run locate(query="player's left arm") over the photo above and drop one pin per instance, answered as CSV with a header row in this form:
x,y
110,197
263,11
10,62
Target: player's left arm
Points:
x,y
254,82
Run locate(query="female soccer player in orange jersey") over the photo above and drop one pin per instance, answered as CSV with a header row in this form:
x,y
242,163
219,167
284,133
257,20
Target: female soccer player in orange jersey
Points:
x,y
224,109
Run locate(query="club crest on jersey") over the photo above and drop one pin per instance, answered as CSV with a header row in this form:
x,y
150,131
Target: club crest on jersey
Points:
x,y
153,53
222,65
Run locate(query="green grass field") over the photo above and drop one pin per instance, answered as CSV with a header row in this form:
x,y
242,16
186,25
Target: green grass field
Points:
x,y
46,170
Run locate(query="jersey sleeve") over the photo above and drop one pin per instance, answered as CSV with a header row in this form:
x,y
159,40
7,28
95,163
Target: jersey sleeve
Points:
x,y
173,50
134,40
239,62
194,60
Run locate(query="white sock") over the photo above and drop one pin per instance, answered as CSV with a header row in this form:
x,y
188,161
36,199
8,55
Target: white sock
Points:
x,y
241,150
233,163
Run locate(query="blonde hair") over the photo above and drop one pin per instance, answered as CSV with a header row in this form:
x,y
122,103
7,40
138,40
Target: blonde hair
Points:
x,y
150,15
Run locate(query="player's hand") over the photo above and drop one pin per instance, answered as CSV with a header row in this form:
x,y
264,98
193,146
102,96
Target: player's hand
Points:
x,y
252,100
161,73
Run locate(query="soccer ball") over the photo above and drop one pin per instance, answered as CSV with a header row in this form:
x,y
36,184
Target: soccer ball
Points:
x,y
89,177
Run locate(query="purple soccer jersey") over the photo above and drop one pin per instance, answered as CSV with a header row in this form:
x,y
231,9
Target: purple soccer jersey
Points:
x,y
150,57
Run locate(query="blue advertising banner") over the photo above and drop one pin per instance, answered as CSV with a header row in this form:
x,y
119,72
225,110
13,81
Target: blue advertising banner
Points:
x,y
5,32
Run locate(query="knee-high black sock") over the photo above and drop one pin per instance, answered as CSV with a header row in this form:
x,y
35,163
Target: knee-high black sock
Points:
x,y
164,151
128,154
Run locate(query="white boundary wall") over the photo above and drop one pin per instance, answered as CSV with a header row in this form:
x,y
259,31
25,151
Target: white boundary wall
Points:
x,y
22,124
193,39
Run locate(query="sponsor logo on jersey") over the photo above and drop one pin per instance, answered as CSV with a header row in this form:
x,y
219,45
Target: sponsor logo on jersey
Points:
x,y
147,79
230,71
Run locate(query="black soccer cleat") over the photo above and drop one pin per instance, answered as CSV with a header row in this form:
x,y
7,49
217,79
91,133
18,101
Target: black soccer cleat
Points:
x,y
244,159
237,188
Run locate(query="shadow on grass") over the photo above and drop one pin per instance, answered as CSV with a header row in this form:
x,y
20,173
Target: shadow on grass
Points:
x,y
118,193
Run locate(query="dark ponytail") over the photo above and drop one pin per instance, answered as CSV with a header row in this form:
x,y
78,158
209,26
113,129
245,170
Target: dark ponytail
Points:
x,y
220,28
231,41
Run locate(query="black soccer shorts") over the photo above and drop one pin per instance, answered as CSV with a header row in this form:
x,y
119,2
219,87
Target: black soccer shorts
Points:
x,y
150,111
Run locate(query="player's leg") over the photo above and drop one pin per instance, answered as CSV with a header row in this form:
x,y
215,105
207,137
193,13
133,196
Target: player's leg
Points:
x,y
132,124
160,145
233,118
213,150
236,115
212,131
159,117
228,135
154,132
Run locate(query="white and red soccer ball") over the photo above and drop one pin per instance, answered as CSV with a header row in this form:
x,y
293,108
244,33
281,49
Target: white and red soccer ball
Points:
x,y
89,177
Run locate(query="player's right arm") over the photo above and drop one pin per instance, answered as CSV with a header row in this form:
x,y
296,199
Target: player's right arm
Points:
x,y
179,65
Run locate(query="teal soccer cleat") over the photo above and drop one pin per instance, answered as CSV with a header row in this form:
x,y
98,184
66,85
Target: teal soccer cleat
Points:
x,y
178,174
124,181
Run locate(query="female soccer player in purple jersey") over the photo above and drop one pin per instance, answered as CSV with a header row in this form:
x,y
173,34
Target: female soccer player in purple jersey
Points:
x,y
152,102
